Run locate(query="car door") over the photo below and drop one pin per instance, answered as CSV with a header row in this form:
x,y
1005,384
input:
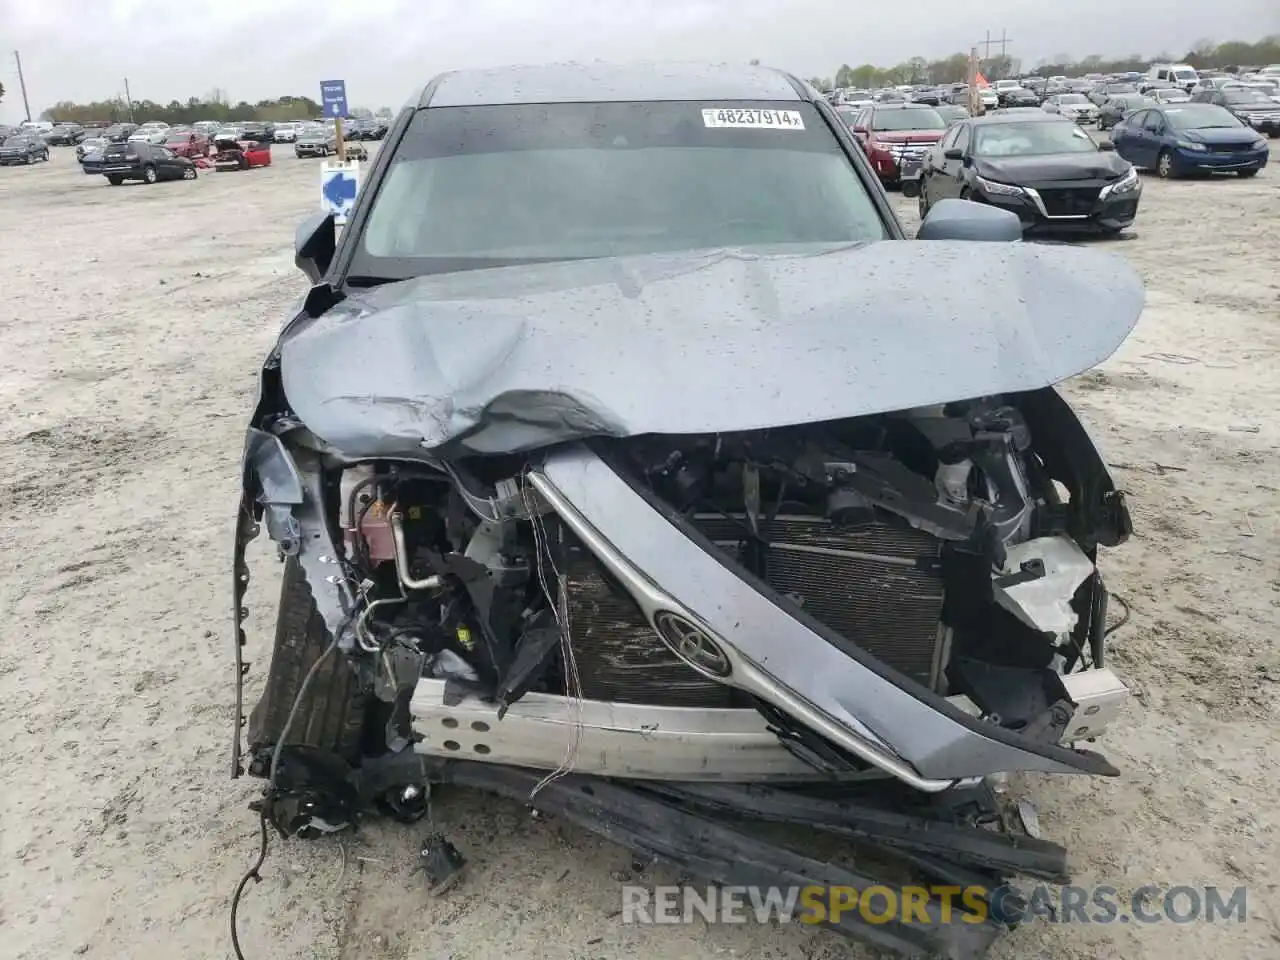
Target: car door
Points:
x,y
950,180
860,125
933,163
1153,128
167,165
1126,137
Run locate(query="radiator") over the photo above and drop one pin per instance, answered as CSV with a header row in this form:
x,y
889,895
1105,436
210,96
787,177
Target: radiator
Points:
x,y
878,585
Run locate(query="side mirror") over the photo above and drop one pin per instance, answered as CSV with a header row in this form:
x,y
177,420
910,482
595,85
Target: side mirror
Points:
x,y
1106,146
953,153
966,220
860,131
314,244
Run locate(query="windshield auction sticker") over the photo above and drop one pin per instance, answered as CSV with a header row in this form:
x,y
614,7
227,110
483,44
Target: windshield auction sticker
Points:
x,y
753,119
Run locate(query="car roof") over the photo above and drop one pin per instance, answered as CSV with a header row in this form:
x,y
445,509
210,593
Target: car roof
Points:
x,y
602,82
1031,116
903,105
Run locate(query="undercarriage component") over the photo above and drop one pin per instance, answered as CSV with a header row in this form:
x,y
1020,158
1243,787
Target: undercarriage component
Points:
x,y
442,863
1039,580
332,714
717,853
612,739
1099,696
975,846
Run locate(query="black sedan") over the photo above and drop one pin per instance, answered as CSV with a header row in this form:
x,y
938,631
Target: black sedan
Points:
x,y
1105,91
1120,106
119,132
1019,97
23,148
1252,107
65,135
1044,168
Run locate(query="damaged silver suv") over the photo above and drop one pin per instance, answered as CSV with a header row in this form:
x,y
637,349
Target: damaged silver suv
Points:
x,y
626,457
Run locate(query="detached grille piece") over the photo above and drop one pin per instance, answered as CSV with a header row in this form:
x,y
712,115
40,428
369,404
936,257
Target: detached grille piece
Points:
x,y
878,585
619,654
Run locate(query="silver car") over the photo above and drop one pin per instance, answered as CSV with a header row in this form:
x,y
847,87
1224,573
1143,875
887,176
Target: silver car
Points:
x,y
315,140
1073,106
594,491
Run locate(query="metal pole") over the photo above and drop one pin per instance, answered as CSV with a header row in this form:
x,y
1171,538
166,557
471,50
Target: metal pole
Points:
x,y
342,146
975,96
128,99
22,84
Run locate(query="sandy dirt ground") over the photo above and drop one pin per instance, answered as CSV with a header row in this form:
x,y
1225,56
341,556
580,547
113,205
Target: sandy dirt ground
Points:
x,y
132,324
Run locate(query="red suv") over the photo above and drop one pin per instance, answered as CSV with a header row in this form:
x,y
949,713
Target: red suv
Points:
x,y
895,137
188,143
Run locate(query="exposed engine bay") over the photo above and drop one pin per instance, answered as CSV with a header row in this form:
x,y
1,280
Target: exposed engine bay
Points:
x,y
859,625
934,540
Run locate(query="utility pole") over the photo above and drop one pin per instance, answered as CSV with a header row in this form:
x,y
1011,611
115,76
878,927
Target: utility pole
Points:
x,y
975,97
128,99
1004,42
22,85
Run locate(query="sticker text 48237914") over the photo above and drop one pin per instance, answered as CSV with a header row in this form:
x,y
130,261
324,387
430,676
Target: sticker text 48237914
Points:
x,y
752,119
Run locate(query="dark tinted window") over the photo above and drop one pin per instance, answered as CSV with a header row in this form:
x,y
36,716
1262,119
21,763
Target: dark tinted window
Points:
x,y
474,186
908,118
1198,116
1236,96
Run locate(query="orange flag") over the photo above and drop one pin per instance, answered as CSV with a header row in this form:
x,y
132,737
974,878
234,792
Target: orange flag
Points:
x,y
980,80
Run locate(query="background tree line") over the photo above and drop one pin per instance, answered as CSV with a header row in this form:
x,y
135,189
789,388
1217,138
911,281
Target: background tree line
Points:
x,y
212,106
955,68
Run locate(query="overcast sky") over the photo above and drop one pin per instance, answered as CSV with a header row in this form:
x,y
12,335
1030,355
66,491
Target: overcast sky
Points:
x,y
82,49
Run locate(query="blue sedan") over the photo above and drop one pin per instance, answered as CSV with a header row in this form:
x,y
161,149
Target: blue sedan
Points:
x,y
1182,138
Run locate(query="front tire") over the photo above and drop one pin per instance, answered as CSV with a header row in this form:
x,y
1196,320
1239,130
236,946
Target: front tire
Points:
x,y
149,174
1164,165
188,173
1246,174
331,715
115,181
922,205
46,156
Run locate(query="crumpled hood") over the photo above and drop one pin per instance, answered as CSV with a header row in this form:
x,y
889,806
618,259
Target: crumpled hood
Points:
x,y
509,359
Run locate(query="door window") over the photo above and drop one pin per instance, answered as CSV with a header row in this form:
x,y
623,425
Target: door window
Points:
x,y
1153,122
962,137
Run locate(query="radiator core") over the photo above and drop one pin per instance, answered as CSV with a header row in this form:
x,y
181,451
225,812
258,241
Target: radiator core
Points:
x,y
879,585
